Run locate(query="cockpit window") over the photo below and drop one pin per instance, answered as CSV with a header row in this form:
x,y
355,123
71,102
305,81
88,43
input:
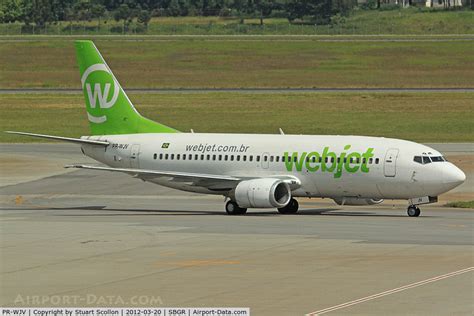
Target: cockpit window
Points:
x,y
428,159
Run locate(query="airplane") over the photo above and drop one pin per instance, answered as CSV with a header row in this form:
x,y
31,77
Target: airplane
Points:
x,y
251,170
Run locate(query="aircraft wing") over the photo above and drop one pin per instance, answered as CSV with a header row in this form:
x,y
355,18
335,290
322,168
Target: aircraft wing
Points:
x,y
210,181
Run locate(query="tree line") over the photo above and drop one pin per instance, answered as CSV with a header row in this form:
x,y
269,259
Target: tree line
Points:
x,y
42,12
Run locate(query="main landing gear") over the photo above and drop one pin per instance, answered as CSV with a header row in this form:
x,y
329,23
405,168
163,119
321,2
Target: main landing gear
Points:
x,y
233,208
290,208
413,211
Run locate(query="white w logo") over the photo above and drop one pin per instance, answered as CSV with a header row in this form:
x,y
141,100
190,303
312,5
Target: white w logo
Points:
x,y
97,94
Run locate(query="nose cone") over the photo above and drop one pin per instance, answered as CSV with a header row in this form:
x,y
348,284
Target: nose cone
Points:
x,y
453,177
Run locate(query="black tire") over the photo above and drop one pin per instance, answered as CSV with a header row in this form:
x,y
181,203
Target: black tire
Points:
x,y
413,211
233,208
290,208
418,212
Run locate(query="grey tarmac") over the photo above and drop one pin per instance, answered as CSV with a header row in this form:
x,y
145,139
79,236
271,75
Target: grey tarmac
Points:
x,y
89,235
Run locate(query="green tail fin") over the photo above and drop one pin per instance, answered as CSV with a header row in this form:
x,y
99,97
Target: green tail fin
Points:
x,y
109,109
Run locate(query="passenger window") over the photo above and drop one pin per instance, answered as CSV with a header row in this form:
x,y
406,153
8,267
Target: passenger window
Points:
x,y
225,157
237,157
314,159
177,157
376,161
357,160
161,156
277,159
271,158
220,157
258,158
213,157
172,156
202,157
282,158
417,159
166,156
250,158
155,156
307,159
364,160
184,157
371,160
332,159
265,158
208,157
244,158
196,157
231,157
426,160
190,157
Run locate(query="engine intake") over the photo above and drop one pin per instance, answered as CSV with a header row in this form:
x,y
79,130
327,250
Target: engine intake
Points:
x,y
264,193
356,201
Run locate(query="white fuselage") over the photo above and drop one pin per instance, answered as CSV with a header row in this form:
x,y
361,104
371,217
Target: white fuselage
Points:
x,y
389,173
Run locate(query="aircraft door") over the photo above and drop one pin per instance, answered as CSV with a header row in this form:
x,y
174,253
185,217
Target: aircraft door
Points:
x,y
390,162
135,156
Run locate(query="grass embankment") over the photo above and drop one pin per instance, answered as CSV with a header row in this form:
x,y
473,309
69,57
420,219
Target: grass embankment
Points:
x,y
422,117
461,204
244,63
362,22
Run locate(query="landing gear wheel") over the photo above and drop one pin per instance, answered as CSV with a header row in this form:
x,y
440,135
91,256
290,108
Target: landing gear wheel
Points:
x,y
413,211
290,208
233,208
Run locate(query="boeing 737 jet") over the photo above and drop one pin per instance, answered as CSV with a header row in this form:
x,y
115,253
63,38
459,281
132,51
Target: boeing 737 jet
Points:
x,y
252,170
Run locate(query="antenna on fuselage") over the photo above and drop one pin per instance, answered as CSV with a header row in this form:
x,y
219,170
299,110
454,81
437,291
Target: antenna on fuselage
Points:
x,y
281,131
192,131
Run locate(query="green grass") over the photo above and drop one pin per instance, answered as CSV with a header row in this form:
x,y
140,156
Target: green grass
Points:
x,y
422,117
404,21
461,204
193,63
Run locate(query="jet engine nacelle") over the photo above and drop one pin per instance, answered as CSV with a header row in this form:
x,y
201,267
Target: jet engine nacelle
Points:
x,y
356,201
262,193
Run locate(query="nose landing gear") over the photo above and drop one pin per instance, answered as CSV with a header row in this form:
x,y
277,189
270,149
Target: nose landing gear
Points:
x,y
413,211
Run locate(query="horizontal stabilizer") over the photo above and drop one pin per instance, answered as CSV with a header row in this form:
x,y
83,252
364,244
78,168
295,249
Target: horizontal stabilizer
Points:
x,y
64,139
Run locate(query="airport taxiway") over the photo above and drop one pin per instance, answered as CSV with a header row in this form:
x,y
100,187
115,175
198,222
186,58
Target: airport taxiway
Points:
x,y
81,234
